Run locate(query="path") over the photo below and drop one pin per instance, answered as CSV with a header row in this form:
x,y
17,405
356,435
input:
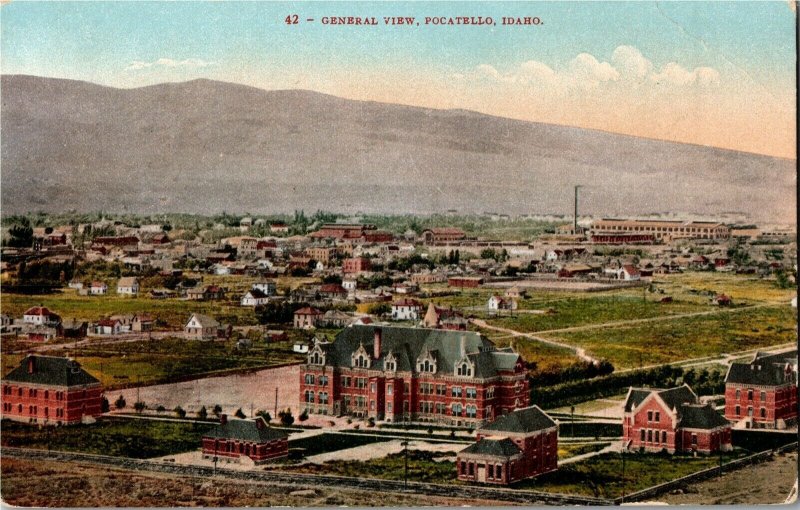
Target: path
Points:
x,y
616,446
94,341
579,351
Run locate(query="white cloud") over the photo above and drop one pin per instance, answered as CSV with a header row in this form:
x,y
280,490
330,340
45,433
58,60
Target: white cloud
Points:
x,y
193,63
630,62
627,66
675,74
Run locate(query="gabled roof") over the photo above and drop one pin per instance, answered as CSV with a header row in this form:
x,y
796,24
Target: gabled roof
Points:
x,y
407,302
764,370
51,370
256,294
246,430
38,310
126,281
493,447
672,397
307,311
524,421
700,416
204,320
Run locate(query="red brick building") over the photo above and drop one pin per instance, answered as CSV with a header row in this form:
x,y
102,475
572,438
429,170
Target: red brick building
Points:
x,y
453,378
522,444
763,393
443,235
254,439
465,281
50,390
356,265
673,420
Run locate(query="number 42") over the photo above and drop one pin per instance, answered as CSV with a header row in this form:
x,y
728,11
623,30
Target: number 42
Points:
x,y
292,19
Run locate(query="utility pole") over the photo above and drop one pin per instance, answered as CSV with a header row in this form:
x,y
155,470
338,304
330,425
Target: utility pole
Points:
x,y
276,403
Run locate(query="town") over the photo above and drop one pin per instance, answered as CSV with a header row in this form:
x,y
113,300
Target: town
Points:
x,y
420,359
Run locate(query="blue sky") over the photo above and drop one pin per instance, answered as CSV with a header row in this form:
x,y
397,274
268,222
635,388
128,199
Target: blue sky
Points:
x,y
744,50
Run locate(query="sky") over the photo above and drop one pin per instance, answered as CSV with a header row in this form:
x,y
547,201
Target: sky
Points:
x,y
710,73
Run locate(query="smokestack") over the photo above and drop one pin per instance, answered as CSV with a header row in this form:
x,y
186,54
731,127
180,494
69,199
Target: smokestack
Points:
x,y
223,419
31,364
376,344
575,221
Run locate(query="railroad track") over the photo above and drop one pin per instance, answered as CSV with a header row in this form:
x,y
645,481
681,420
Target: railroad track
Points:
x,y
304,480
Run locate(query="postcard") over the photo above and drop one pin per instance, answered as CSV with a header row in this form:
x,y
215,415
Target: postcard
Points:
x,y
319,254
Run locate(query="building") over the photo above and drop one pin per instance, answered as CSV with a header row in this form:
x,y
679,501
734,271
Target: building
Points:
x,y
444,318
107,327
335,319
267,287
496,303
674,420
356,265
522,444
332,291
128,286
254,297
40,316
74,329
455,378
442,235
142,323
254,439
322,254
307,317
762,393
98,289
51,390
465,281
666,230
202,327
406,310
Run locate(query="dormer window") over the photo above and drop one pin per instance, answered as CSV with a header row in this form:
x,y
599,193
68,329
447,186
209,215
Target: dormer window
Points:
x,y
361,358
464,369
390,363
316,357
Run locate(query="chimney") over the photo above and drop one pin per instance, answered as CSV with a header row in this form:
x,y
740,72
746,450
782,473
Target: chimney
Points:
x,y
376,344
31,364
223,419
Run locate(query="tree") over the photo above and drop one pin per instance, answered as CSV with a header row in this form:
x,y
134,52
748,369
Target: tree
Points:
x,y
239,413
179,412
202,413
304,415
286,417
217,410
120,403
139,407
21,234
264,414
104,405
379,309
160,409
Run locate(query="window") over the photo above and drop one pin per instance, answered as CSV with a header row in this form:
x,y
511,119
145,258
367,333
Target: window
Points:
x,y
46,394
391,366
649,415
490,392
664,436
750,411
472,411
455,391
472,393
694,439
649,436
372,405
498,471
309,396
738,411
323,397
346,381
389,390
361,361
658,416
427,366
749,394
372,388
389,407
738,394
763,412
763,396
316,359
309,379
441,389
323,380
361,383
464,370
471,468
456,409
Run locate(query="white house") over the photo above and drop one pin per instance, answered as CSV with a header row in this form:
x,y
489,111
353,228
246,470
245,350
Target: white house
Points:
x,y
39,316
254,297
75,284
301,347
267,287
128,286
629,272
406,310
496,303
98,289
108,327
350,285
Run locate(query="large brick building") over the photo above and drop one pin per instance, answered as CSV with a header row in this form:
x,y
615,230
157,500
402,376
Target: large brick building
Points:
x,y
254,439
51,390
455,378
763,393
659,229
673,420
522,444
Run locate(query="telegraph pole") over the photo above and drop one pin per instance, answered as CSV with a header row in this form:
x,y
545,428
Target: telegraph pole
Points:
x,y
575,220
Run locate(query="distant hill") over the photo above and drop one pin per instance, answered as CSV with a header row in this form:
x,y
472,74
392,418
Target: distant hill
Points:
x,y
204,146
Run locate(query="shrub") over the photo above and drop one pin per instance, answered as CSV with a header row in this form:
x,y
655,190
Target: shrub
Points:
x,y
179,412
120,403
304,415
286,417
139,407
202,413
264,414
217,410
104,405
239,413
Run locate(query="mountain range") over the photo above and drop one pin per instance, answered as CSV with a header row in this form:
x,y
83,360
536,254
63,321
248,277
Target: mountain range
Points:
x,y
207,146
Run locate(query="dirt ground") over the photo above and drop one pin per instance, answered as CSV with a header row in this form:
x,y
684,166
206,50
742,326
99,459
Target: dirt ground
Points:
x,y
49,484
765,483
230,392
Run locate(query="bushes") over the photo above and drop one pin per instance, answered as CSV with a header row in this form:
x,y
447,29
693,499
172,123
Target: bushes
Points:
x,y
286,417
574,372
120,403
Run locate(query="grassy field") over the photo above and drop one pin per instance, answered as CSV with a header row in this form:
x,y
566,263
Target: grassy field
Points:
x,y
330,443
421,468
743,289
545,356
140,439
601,476
690,337
566,451
164,360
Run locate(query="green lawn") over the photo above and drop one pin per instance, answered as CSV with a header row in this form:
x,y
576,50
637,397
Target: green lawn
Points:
x,y
686,338
421,468
139,439
331,442
601,476
566,451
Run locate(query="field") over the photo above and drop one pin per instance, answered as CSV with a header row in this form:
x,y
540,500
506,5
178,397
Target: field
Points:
x,y
166,359
140,439
649,343
330,443
601,476
81,485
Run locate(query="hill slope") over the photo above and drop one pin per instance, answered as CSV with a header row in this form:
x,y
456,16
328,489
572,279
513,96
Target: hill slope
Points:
x,y
205,146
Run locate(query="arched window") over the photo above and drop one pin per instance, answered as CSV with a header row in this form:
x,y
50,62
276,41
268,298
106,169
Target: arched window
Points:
x,y
464,370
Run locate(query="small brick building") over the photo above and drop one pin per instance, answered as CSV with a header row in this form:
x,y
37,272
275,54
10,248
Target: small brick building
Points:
x,y
50,390
673,420
522,444
255,439
763,393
